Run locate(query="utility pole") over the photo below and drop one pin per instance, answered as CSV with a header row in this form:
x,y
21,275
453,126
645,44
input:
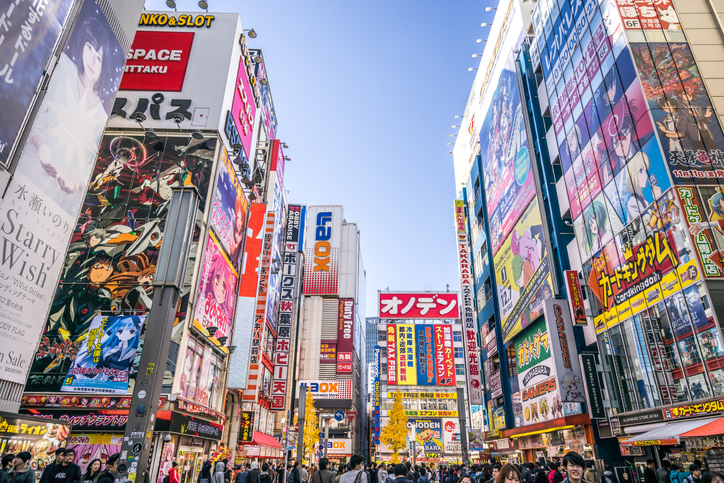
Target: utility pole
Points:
x,y
300,421
172,259
462,415
326,435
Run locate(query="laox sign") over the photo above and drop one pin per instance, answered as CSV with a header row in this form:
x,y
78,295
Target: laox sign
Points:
x,y
322,248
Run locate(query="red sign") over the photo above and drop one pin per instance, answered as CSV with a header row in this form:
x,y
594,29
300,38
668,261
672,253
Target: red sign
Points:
x,y
157,61
350,415
423,305
391,355
345,334
575,295
252,251
444,357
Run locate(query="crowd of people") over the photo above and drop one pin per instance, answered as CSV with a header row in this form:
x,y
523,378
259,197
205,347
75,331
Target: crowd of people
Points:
x,y
16,469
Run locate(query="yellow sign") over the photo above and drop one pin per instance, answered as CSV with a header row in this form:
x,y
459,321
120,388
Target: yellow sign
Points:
x,y
429,395
432,414
406,361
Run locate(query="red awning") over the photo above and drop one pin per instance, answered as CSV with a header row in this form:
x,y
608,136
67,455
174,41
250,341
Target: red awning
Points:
x,y
713,428
261,439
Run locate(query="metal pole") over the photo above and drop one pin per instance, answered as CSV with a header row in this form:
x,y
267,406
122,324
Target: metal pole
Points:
x,y
414,452
170,274
286,445
300,420
462,413
326,435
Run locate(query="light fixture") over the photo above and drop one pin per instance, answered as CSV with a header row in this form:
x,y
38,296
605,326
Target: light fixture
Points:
x,y
477,55
245,179
139,117
470,69
453,135
231,348
252,196
178,118
284,145
203,4
257,59
252,34
458,117
158,146
211,330
171,4
449,144
455,126
287,158
151,134
485,24
481,40
263,81
197,134
167,437
222,340
449,152
488,9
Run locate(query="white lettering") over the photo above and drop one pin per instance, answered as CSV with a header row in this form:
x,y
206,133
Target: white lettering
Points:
x,y
175,55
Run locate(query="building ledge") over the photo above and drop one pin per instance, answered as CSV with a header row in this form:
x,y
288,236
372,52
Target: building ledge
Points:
x,y
566,422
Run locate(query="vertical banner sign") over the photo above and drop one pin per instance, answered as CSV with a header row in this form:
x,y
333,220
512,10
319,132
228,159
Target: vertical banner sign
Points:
x,y
376,412
286,309
321,258
460,216
250,394
444,357
406,367
391,355
467,290
345,333
563,348
593,387
425,355
575,297
246,432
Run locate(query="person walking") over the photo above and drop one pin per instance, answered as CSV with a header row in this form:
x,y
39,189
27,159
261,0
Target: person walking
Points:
x,y
323,475
65,472
240,476
355,473
650,472
7,464
303,474
574,464
59,457
93,472
382,473
663,474
695,476
591,475
253,473
110,475
21,472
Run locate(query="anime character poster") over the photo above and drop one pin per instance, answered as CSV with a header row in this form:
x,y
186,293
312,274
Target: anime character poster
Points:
x,y
92,446
427,433
217,290
229,209
523,273
111,261
105,358
509,183
687,127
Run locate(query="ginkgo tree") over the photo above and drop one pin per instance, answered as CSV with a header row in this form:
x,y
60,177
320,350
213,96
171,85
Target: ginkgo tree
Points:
x,y
311,426
394,434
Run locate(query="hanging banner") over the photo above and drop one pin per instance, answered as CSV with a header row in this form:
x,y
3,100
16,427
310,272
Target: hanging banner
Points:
x,y
392,374
406,366
444,357
575,296
563,349
425,355
228,212
533,355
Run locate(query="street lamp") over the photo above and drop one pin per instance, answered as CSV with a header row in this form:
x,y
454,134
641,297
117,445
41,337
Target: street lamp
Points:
x,y
485,24
481,40
488,9
470,69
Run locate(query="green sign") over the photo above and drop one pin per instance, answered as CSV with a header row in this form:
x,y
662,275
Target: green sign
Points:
x,y
533,346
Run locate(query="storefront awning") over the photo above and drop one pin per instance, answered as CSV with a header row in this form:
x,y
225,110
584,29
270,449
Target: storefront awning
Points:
x,y
669,433
714,428
261,439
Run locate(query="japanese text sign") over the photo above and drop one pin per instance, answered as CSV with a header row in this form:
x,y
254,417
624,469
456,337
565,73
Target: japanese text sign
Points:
x,y
345,334
424,305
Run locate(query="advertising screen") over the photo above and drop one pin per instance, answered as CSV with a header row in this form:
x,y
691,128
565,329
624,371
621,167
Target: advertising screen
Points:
x,y
157,61
30,31
533,355
229,208
40,437
523,274
217,290
111,260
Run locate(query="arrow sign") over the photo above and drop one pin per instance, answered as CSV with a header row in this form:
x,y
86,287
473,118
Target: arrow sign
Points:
x,y
350,415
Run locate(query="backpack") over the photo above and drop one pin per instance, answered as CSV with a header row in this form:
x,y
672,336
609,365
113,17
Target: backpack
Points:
x,y
292,477
264,478
606,479
166,479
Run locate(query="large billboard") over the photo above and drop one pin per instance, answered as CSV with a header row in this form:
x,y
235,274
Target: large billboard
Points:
x,y
42,200
30,31
444,355
427,433
229,209
321,255
345,336
425,352
111,260
168,79
523,274
326,389
406,358
243,107
268,114
533,355
419,305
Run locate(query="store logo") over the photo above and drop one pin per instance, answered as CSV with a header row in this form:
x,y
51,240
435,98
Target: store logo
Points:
x,y
322,248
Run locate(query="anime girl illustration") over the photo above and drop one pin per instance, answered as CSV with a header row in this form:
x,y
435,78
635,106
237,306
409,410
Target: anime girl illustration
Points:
x,y
636,181
528,250
131,284
596,232
108,351
215,304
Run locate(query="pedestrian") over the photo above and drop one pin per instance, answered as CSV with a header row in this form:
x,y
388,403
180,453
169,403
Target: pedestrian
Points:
x,y
382,473
695,476
323,475
253,473
712,477
608,476
555,475
355,473
65,472
218,474
21,472
340,473
304,474
401,474
650,472
663,474
508,474
423,476
494,474
93,472
227,471
540,475
7,464
59,457
591,475
573,465
294,474
110,475
240,476
173,476
264,476
526,474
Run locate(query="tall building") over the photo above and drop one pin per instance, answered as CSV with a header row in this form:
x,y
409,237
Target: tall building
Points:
x,y
48,146
615,110
332,329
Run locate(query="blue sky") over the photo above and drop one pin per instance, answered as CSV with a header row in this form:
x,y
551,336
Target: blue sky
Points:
x,y
365,95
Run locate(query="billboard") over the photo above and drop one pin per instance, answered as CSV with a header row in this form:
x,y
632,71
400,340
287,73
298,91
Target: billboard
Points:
x,y
229,209
419,305
451,435
105,358
406,359
427,433
564,352
35,435
114,246
425,352
533,355
325,389
243,107
345,336
266,108
31,31
540,402
321,255
575,296
252,250
392,371
42,199
90,446
444,355
523,274
194,92
703,211
217,290
294,226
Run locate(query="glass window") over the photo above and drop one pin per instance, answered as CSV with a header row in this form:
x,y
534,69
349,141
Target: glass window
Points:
x,y
381,336
459,353
608,372
640,362
457,336
628,390
383,367
662,361
460,369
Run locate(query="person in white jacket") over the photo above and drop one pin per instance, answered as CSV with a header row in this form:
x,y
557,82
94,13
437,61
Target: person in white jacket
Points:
x,y
382,473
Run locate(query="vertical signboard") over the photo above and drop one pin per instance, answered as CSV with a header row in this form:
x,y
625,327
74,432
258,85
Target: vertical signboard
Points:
x,y
321,256
563,348
243,108
425,349
345,336
376,395
294,224
392,374
444,356
406,366
228,212
594,390
246,430
469,319
575,296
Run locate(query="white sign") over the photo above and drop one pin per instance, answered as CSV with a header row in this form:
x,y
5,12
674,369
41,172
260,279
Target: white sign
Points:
x,y
339,447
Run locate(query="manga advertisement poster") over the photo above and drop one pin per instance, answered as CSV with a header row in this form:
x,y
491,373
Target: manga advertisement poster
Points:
x,y
229,209
111,260
509,183
30,31
427,433
682,110
47,188
523,274
105,358
217,290
93,446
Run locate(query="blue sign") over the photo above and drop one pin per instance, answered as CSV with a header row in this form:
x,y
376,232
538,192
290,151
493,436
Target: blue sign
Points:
x,y
339,415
